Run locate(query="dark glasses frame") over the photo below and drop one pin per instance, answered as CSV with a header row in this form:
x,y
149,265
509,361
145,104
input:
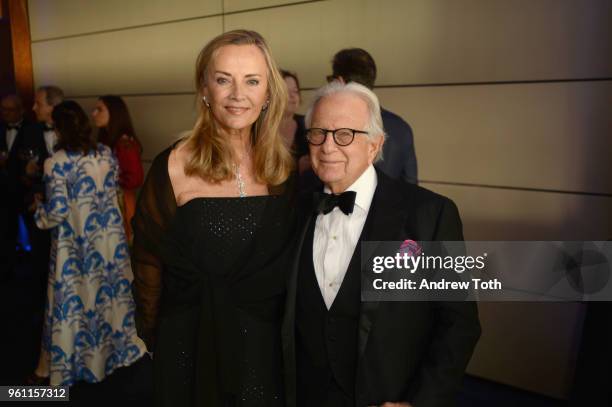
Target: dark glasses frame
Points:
x,y
325,132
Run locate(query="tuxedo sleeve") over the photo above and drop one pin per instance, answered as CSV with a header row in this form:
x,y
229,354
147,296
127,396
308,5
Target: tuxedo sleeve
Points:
x,y
456,332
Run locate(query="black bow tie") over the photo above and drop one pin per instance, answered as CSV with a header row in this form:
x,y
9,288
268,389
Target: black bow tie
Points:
x,y
325,203
49,127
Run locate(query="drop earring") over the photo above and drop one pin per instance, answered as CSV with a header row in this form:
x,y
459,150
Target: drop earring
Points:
x,y
265,106
206,102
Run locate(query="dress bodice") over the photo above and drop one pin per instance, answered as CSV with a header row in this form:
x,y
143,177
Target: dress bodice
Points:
x,y
225,262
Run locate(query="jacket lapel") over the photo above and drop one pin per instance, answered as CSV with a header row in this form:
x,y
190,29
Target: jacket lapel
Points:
x,y
289,318
385,222
288,326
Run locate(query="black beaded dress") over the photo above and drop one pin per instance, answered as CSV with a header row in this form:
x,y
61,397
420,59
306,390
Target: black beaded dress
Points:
x,y
209,284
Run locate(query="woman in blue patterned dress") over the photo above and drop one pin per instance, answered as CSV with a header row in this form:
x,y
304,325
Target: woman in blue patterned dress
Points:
x,y
89,316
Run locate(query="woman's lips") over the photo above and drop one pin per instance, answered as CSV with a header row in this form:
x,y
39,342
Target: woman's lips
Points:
x,y
236,110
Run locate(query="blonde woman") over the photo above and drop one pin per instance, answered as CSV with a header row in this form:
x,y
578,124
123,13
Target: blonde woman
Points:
x,y
210,234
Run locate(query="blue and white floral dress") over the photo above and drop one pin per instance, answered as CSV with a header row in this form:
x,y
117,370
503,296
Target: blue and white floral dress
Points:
x,y
89,326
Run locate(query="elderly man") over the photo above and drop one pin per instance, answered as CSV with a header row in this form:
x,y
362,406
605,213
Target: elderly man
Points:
x,y
338,350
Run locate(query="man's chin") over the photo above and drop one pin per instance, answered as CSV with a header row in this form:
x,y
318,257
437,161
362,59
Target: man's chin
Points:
x,y
330,180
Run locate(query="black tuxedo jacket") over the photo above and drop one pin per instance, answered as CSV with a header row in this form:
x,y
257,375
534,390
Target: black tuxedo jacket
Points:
x,y
33,139
408,351
29,137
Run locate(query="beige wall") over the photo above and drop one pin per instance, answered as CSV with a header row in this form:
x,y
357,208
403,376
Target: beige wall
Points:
x,y
509,118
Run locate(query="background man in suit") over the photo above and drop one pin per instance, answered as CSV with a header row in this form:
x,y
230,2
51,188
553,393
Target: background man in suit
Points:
x,y
46,98
39,145
12,128
338,350
399,158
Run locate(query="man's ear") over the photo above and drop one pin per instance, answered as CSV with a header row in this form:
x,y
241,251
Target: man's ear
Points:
x,y
341,79
375,146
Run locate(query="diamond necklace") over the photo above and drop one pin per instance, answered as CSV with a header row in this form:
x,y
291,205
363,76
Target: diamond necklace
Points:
x,y
240,181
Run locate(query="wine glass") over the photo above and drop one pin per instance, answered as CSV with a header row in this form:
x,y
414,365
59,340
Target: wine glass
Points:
x,y
31,156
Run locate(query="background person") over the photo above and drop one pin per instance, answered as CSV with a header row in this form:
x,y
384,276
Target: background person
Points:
x,y
36,147
89,328
292,126
112,118
13,129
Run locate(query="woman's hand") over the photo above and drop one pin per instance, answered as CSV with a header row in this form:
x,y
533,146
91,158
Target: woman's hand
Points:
x,y
32,168
38,199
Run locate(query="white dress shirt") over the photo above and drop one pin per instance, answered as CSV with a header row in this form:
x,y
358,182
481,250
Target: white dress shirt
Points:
x,y
11,135
50,140
336,235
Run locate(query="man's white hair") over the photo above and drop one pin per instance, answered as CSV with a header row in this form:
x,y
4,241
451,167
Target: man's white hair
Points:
x,y
375,125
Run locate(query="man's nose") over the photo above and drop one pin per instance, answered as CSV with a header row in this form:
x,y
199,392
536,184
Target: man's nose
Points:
x,y
329,145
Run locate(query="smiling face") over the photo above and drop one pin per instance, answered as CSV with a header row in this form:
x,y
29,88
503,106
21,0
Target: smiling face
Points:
x,y
236,86
338,167
100,114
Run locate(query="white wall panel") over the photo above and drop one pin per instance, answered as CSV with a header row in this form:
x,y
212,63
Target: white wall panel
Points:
x,y
499,214
237,5
551,136
433,41
532,346
161,120
158,120
154,59
57,18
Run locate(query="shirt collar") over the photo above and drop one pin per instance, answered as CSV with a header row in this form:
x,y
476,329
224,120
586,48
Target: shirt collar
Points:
x,y
364,186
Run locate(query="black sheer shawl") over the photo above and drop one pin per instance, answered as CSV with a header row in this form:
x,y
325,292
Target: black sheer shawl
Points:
x,y
155,210
256,280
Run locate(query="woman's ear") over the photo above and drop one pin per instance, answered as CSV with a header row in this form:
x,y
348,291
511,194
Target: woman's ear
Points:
x,y
205,97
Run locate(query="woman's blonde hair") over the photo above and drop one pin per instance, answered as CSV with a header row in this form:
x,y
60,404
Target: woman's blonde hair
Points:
x,y
211,155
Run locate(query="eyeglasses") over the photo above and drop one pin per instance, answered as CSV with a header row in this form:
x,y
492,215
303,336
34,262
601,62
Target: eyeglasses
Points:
x,y
342,137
